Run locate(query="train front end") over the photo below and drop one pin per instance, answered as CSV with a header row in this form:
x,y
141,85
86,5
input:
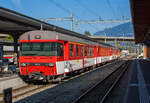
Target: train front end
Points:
x,y
38,57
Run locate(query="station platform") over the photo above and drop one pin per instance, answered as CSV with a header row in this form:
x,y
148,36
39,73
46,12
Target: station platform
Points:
x,y
139,86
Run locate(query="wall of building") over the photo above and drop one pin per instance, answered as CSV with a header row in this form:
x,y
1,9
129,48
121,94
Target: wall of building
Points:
x,y
146,52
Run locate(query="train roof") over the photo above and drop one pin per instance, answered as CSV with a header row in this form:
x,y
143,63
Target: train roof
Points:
x,y
60,36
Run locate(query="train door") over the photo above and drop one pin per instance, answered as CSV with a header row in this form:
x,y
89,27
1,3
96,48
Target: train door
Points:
x,y
1,55
60,51
60,58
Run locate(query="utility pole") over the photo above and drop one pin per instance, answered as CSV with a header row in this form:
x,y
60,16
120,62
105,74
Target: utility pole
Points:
x,y
71,22
76,25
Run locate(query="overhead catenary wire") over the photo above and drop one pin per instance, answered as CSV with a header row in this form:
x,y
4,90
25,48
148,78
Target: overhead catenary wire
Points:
x,y
114,14
60,6
119,9
68,11
111,8
86,8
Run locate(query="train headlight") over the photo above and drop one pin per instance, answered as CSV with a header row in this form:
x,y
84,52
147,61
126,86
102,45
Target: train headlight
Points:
x,y
51,64
23,64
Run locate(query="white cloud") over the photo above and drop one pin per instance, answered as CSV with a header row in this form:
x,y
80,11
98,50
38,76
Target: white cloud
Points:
x,y
17,3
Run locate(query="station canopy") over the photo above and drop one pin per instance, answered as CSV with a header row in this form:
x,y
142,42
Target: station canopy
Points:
x,y
141,20
16,24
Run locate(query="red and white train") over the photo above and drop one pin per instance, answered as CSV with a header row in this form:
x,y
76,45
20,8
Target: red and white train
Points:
x,y
47,54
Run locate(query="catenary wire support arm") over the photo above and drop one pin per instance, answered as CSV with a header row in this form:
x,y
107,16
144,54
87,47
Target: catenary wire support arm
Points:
x,y
103,21
60,19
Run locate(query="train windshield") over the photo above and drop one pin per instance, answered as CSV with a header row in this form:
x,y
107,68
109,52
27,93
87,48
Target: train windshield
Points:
x,y
42,49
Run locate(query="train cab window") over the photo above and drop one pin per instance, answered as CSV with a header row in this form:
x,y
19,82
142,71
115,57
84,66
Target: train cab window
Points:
x,y
71,50
77,50
85,51
59,49
49,48
26,46
82,51
36,46
38,49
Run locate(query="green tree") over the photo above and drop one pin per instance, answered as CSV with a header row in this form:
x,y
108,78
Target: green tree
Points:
x,y
10,38
87,33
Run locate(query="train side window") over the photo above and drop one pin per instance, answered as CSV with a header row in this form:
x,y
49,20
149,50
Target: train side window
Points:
x,y
89,51
77,50
93,51
99,53
85,51
82,51
71,50
59,49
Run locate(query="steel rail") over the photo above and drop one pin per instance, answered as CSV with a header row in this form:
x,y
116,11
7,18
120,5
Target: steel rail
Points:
x,y
114,84
30,88
98,83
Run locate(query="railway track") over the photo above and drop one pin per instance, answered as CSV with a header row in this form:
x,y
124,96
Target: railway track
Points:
x,y
8,77
29,90
102,89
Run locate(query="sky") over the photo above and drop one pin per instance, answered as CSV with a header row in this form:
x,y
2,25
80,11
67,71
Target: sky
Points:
x,y
81,9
